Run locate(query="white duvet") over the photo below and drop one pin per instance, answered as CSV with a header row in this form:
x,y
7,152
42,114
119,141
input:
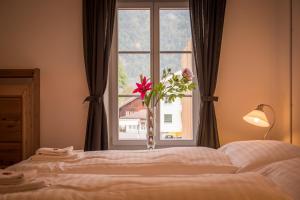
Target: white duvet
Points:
x,y
177,160
285,174
250,186
239,170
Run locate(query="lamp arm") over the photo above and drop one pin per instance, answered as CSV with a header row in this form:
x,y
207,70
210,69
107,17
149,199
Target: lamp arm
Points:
x,y
274,118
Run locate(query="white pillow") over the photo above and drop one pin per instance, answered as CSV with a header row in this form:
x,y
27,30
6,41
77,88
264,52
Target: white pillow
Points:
x,y
253,154
285,174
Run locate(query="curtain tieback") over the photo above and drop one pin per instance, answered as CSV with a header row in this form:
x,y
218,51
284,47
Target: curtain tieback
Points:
x,y
209,98
94,99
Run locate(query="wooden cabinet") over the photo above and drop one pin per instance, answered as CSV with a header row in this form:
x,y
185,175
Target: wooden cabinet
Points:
x,y
19,115
10,130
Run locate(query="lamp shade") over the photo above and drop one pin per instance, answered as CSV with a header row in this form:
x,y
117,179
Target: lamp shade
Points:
x,y
257,118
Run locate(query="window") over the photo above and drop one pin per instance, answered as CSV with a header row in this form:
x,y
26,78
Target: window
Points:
x,y
168,118
150,37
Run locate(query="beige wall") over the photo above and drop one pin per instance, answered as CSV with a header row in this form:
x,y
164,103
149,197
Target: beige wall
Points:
x,y
47,34
296,72
254,67
254,64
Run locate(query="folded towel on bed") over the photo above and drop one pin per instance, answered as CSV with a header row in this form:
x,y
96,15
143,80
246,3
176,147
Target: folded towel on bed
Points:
x,y
25,186
73,156
55,151
10,177
12,181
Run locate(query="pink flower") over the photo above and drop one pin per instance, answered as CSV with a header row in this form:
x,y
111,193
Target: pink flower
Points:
x,y
186,73
143,87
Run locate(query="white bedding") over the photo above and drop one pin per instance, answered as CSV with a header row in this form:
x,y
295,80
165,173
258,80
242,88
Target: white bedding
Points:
x,y
177,160
239,170
286,174
209,186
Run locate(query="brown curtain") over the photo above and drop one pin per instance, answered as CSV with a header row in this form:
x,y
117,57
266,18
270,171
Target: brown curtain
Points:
x,y
98,18
207,19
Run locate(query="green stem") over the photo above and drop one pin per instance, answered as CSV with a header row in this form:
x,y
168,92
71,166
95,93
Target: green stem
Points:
x,y
163,94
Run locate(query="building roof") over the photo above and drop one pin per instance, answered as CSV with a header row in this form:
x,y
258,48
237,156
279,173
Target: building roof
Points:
x,y
129,100
136,115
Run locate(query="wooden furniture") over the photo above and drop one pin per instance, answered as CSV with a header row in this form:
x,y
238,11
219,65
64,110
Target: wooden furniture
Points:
x,y
19,114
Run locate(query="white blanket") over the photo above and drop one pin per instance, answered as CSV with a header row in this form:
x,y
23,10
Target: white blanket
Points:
x,y
285,174
177,160
248,186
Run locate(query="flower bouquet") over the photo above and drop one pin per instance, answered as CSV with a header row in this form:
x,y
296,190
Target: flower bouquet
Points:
x,y
172,86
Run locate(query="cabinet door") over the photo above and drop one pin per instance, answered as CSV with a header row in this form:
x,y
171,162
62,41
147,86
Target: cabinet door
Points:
x,y
10,119
10,130
10,153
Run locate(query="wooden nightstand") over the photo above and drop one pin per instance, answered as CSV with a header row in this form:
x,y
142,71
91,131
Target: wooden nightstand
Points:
x,y
19,114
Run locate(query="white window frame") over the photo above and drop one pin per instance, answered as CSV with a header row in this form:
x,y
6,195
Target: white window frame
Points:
x,y
114,142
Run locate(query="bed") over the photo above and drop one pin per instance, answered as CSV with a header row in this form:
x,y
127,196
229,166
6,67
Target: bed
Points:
x,y
238,170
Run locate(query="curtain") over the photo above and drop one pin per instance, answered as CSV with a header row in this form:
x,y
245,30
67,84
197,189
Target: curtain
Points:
x,y
207,19
98,20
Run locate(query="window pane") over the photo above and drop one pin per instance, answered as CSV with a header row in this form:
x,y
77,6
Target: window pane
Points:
x,y
134,30
176,119
175,30
130,66
168,118
132,119
176,62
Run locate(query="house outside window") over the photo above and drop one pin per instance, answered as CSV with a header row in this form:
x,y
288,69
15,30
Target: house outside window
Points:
x,y
148,38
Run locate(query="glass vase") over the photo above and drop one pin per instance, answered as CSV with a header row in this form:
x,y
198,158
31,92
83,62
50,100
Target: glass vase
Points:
x,y
150,129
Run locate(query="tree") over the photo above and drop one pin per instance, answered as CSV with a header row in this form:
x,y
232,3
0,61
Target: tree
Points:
x,y
122,76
